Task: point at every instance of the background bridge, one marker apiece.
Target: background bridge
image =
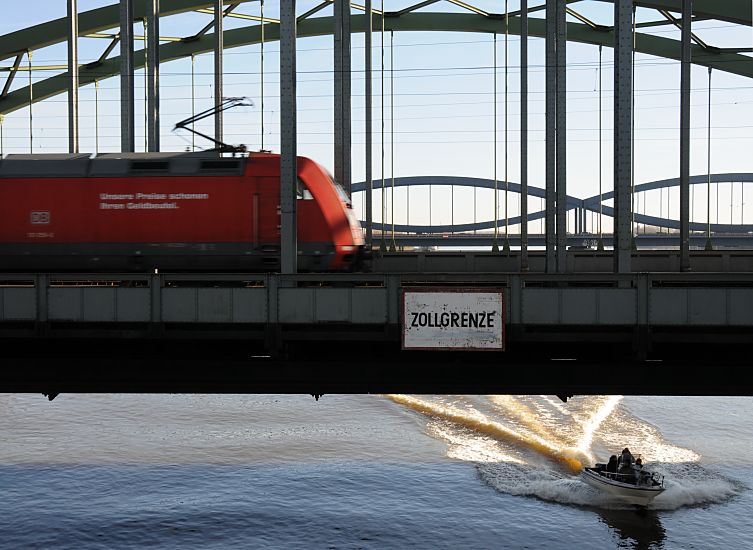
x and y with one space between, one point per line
579 207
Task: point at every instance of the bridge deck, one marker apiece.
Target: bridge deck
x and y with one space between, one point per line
319 333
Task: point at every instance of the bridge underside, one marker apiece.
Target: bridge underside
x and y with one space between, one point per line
698 362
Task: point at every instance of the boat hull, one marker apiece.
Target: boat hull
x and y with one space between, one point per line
632 494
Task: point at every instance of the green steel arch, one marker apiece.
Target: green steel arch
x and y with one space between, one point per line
89 22
733 11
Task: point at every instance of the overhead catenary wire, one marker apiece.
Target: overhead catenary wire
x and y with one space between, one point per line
646 93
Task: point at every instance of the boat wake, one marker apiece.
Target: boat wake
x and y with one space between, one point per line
533 446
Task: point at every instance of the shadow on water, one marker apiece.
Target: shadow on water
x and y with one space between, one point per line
639 529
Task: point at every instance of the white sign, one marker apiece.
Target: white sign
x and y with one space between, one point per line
453 319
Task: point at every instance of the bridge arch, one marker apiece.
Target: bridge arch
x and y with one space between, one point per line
402 21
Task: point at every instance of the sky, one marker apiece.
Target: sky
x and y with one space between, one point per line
439 120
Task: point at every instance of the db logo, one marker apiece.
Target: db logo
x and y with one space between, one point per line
40 218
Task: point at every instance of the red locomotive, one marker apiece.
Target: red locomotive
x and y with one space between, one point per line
167 211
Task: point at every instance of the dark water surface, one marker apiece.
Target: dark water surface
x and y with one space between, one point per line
94 471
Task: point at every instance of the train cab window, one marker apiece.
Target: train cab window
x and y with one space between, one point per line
339 188
302 193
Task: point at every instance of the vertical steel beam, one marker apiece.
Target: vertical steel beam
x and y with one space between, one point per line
288 139
709 244
261 72
623 144
524 135
687 12
219 45
550 133
193 98
369 125
342 67
127 113
347 177
73 77
561 135
146 92
31 103
152 75
337 60
96 116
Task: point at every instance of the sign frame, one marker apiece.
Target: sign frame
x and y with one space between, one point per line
440 289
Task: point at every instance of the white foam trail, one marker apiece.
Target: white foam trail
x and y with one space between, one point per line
524 415
687 485
507 456
480 423
556 405
690 484
647 440
470 448
594 422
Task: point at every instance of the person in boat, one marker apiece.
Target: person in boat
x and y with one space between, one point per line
612 464
625 467
625 461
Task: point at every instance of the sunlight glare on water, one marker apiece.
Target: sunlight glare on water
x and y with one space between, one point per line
594 422
480 423
521 443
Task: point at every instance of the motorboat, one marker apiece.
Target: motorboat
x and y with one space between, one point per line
631 482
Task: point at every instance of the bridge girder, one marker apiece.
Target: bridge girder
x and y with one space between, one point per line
104 18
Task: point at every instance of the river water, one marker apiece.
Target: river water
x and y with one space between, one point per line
186 471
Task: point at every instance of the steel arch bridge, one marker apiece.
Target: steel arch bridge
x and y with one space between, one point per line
594 203
94 23
425 15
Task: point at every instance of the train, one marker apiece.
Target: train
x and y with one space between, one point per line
201 211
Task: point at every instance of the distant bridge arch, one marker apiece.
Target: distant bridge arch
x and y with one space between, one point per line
589 203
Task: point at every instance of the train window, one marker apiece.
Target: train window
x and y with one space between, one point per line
340 191
302 193
149 165
220 165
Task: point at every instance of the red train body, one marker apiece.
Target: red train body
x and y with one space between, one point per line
167 211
